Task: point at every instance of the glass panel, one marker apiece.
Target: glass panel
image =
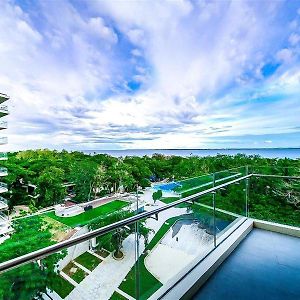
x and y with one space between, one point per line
168 246
275 199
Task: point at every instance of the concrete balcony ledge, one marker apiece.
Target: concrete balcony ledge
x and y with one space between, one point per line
276 227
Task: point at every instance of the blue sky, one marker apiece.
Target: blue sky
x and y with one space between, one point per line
151 74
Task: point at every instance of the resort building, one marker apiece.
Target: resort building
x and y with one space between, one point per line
5 228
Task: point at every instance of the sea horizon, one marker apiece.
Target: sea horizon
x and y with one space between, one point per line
275 152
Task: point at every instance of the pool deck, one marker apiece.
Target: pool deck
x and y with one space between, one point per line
266 265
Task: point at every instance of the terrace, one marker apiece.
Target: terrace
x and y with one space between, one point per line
214 239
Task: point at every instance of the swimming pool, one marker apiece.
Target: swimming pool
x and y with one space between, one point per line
170 186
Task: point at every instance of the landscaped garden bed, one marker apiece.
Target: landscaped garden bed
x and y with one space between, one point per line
61 286
88 260
74 272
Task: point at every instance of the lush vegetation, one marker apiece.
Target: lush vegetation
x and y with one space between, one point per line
100 174
31 280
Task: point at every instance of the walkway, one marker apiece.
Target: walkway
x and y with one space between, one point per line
266 265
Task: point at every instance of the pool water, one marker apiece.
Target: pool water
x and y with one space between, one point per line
167 186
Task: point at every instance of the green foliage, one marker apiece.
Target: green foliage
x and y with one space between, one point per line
50 186
31 280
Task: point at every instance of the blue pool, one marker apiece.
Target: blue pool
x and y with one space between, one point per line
167 186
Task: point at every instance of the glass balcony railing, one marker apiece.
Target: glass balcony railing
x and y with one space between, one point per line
135 249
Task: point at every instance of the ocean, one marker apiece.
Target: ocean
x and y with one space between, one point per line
293 153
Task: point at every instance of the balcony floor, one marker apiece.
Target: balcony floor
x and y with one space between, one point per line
266 265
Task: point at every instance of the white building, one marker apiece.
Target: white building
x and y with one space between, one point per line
5 227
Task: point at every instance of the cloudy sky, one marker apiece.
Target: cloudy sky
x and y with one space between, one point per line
151 74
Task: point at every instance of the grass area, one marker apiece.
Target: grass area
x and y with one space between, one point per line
88 260
61 286
102 252
168 200
117 296
74 272
148 283
88 216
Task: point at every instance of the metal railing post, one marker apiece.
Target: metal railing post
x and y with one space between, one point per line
247 192
137 273
214 211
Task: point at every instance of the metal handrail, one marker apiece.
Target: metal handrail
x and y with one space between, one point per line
277 176
41 253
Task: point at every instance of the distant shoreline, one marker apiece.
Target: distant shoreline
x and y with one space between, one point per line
192 149
292 153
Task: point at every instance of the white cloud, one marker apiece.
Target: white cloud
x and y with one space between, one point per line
294 39
68 77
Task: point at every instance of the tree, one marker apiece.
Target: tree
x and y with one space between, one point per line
113 241
83 174
31 280
50 187
157 195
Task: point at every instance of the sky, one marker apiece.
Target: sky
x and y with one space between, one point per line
151 74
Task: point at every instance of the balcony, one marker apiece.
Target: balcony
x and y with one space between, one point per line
3 125
3 204
3 140
3 98
3 156
3 172
3 187
4 224
214 240
3 110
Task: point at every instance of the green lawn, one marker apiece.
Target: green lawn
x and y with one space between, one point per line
61 286
168 200
88 260
78 275
88 216
148 283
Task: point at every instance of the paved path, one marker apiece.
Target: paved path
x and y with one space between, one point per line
106 278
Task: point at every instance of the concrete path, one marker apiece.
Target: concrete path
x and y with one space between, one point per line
106 278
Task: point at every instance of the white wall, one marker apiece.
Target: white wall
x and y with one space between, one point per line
76 250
